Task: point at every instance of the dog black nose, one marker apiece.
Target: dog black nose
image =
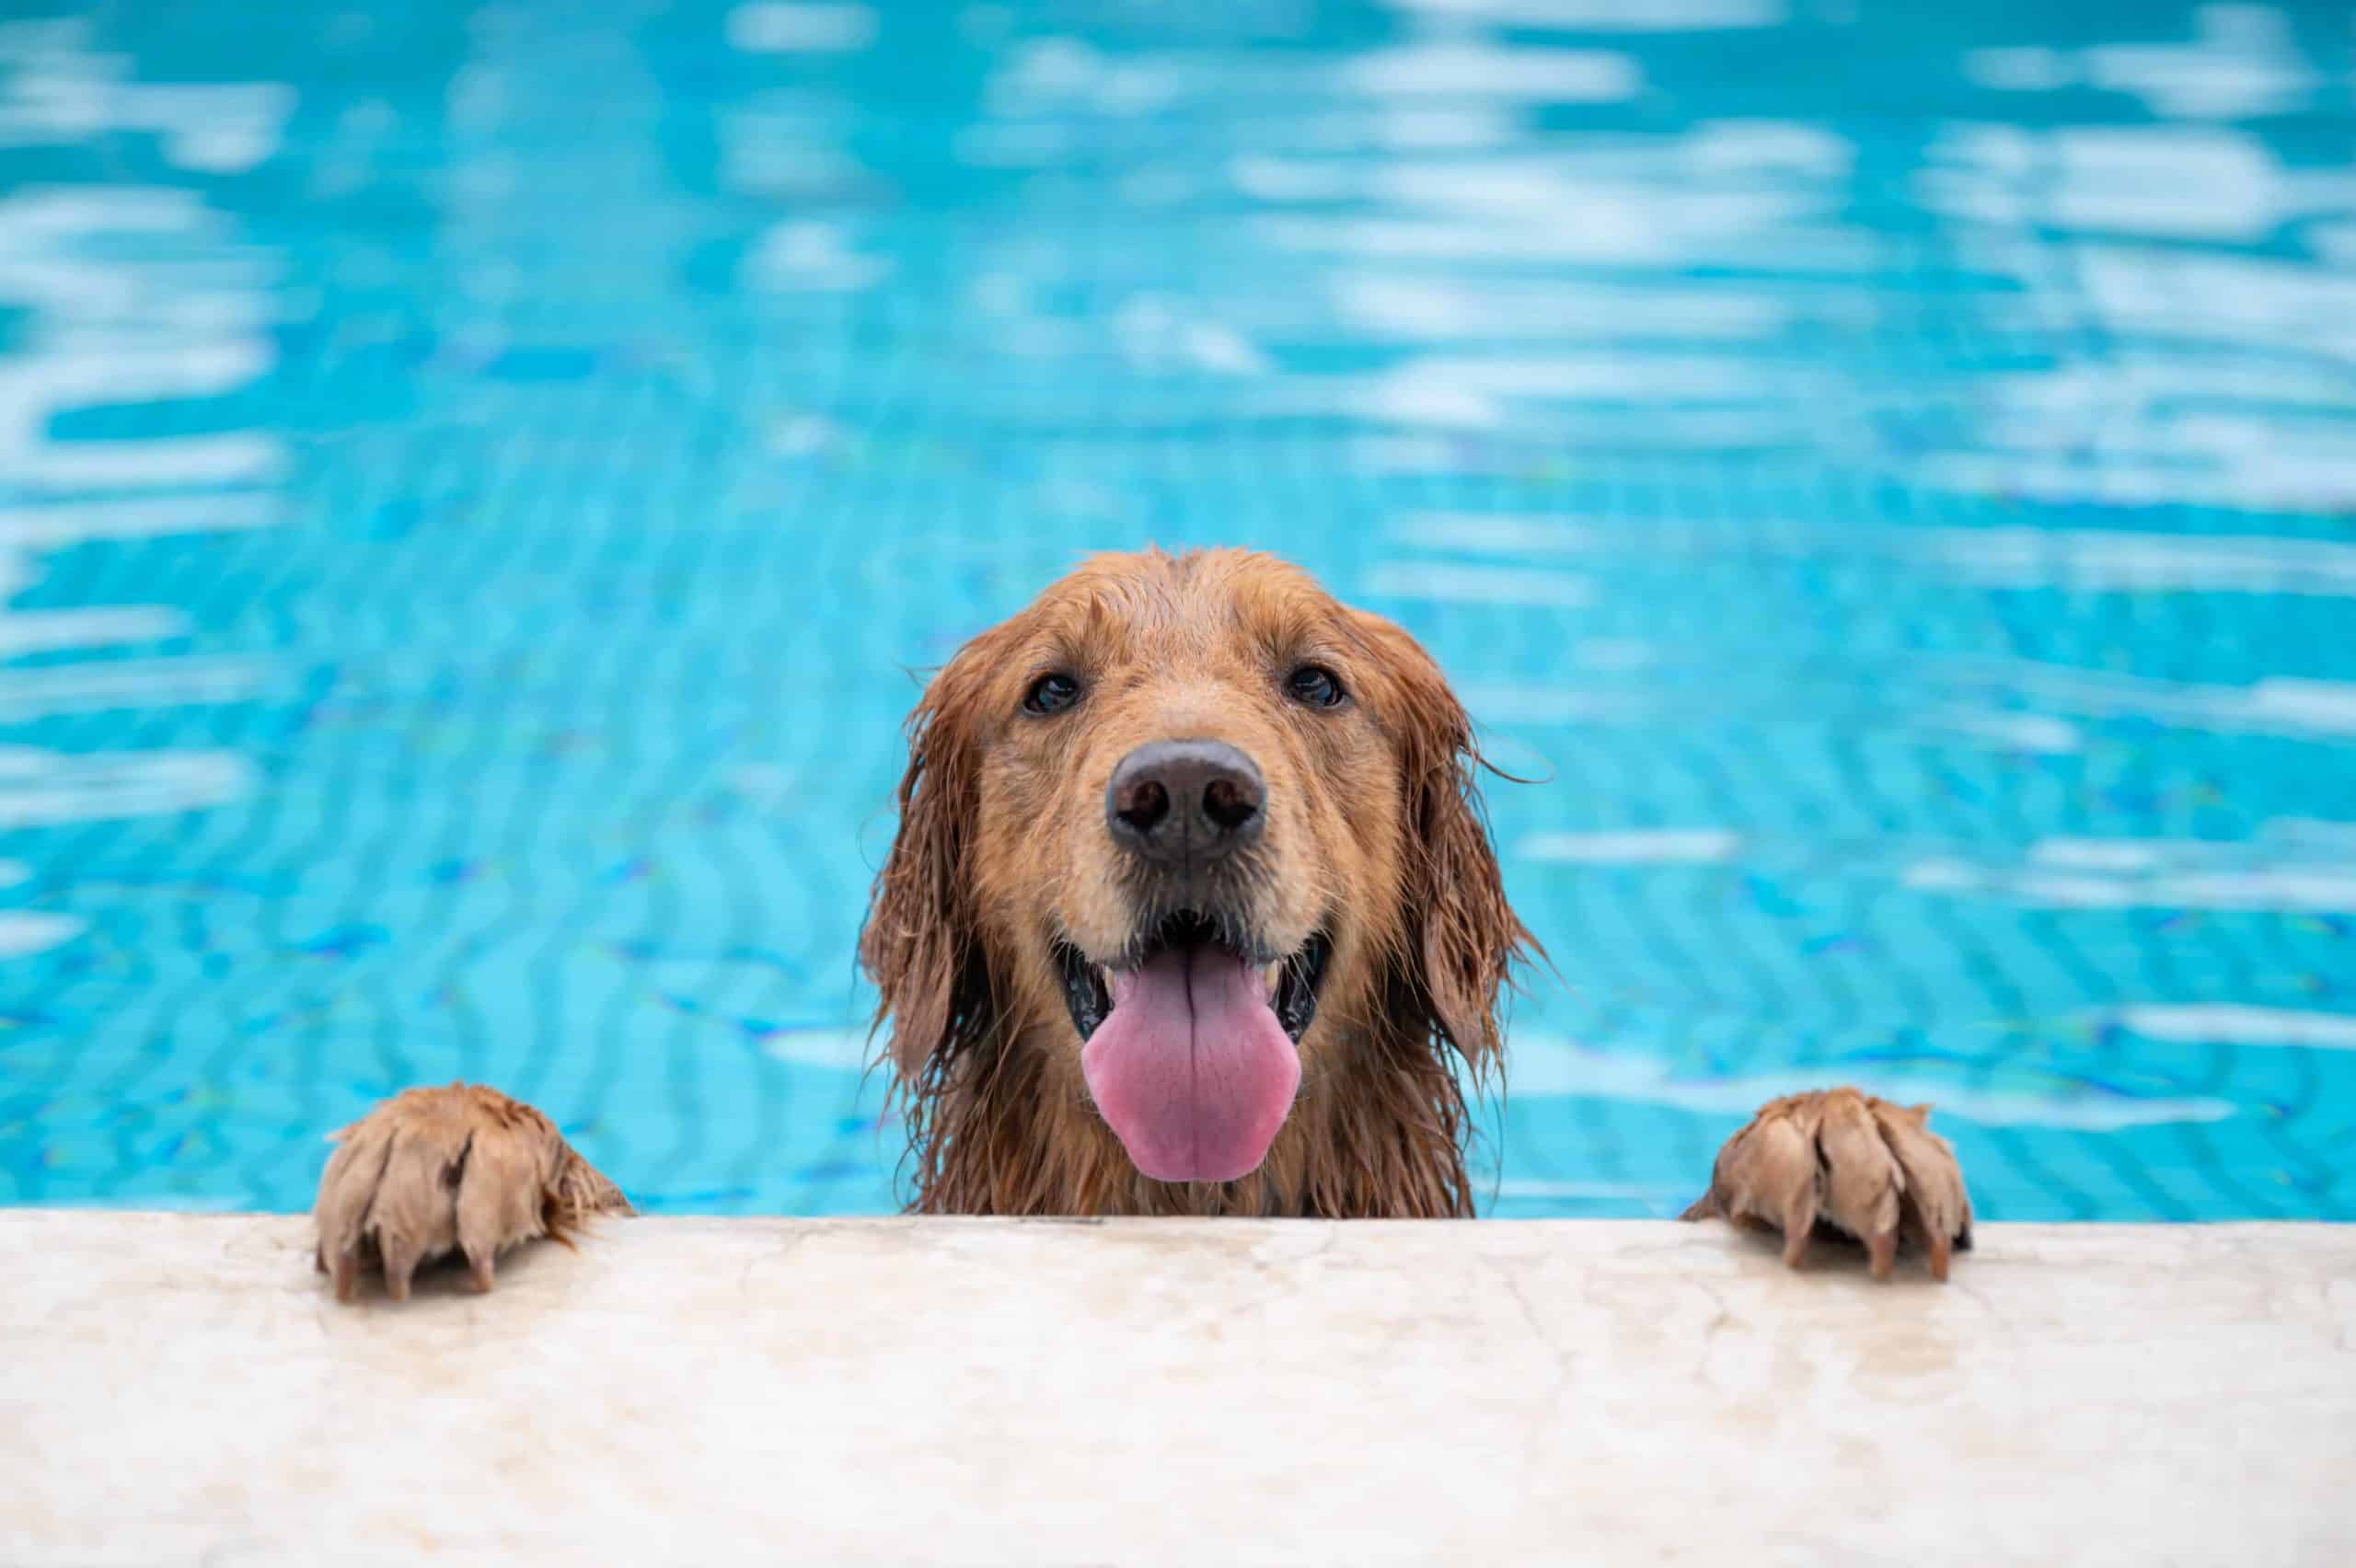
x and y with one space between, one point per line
1182 803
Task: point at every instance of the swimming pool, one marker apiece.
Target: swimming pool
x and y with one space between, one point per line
473 483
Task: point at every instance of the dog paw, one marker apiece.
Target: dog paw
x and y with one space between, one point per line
1845 1160
439 1170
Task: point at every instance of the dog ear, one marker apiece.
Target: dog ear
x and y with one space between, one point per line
922 944
1470 937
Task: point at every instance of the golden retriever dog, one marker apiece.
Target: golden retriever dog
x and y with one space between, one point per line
1192 910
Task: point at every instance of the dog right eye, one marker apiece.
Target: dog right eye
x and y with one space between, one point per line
1051 693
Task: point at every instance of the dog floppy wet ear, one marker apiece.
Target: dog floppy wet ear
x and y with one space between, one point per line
1470 937
922 944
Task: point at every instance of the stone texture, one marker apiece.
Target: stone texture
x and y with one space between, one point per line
182 1388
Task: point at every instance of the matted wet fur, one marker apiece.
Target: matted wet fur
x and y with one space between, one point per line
1378 829
1347 868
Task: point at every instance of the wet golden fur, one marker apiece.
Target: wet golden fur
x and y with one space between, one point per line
1375 833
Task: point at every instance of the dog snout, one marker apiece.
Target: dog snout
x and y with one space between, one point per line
1185 802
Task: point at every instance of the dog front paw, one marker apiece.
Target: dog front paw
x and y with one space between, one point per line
1837 1158
461 1169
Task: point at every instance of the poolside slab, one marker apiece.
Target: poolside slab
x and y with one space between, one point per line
182 1388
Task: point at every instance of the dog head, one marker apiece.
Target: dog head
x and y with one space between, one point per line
1192 828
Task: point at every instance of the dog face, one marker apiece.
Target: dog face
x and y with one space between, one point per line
1193 829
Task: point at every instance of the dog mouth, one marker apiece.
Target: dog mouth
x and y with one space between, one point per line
1292 980
1190 1044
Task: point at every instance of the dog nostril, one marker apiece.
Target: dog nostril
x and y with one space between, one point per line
1228 803
1179 801
1147 804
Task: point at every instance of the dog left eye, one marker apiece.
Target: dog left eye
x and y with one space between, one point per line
1314 685
1051 693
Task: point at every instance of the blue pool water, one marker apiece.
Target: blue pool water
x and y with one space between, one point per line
475 481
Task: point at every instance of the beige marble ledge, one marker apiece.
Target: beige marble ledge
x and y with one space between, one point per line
181 1389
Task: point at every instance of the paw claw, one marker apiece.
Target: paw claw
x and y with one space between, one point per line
400 1263
1881 1248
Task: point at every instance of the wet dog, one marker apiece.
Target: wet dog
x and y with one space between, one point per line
1192 910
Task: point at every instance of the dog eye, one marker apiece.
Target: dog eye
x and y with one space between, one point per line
1051 693
1314 685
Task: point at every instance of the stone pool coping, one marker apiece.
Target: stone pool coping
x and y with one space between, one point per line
181 1388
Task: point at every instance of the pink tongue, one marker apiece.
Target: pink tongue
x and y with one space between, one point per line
1192 1069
